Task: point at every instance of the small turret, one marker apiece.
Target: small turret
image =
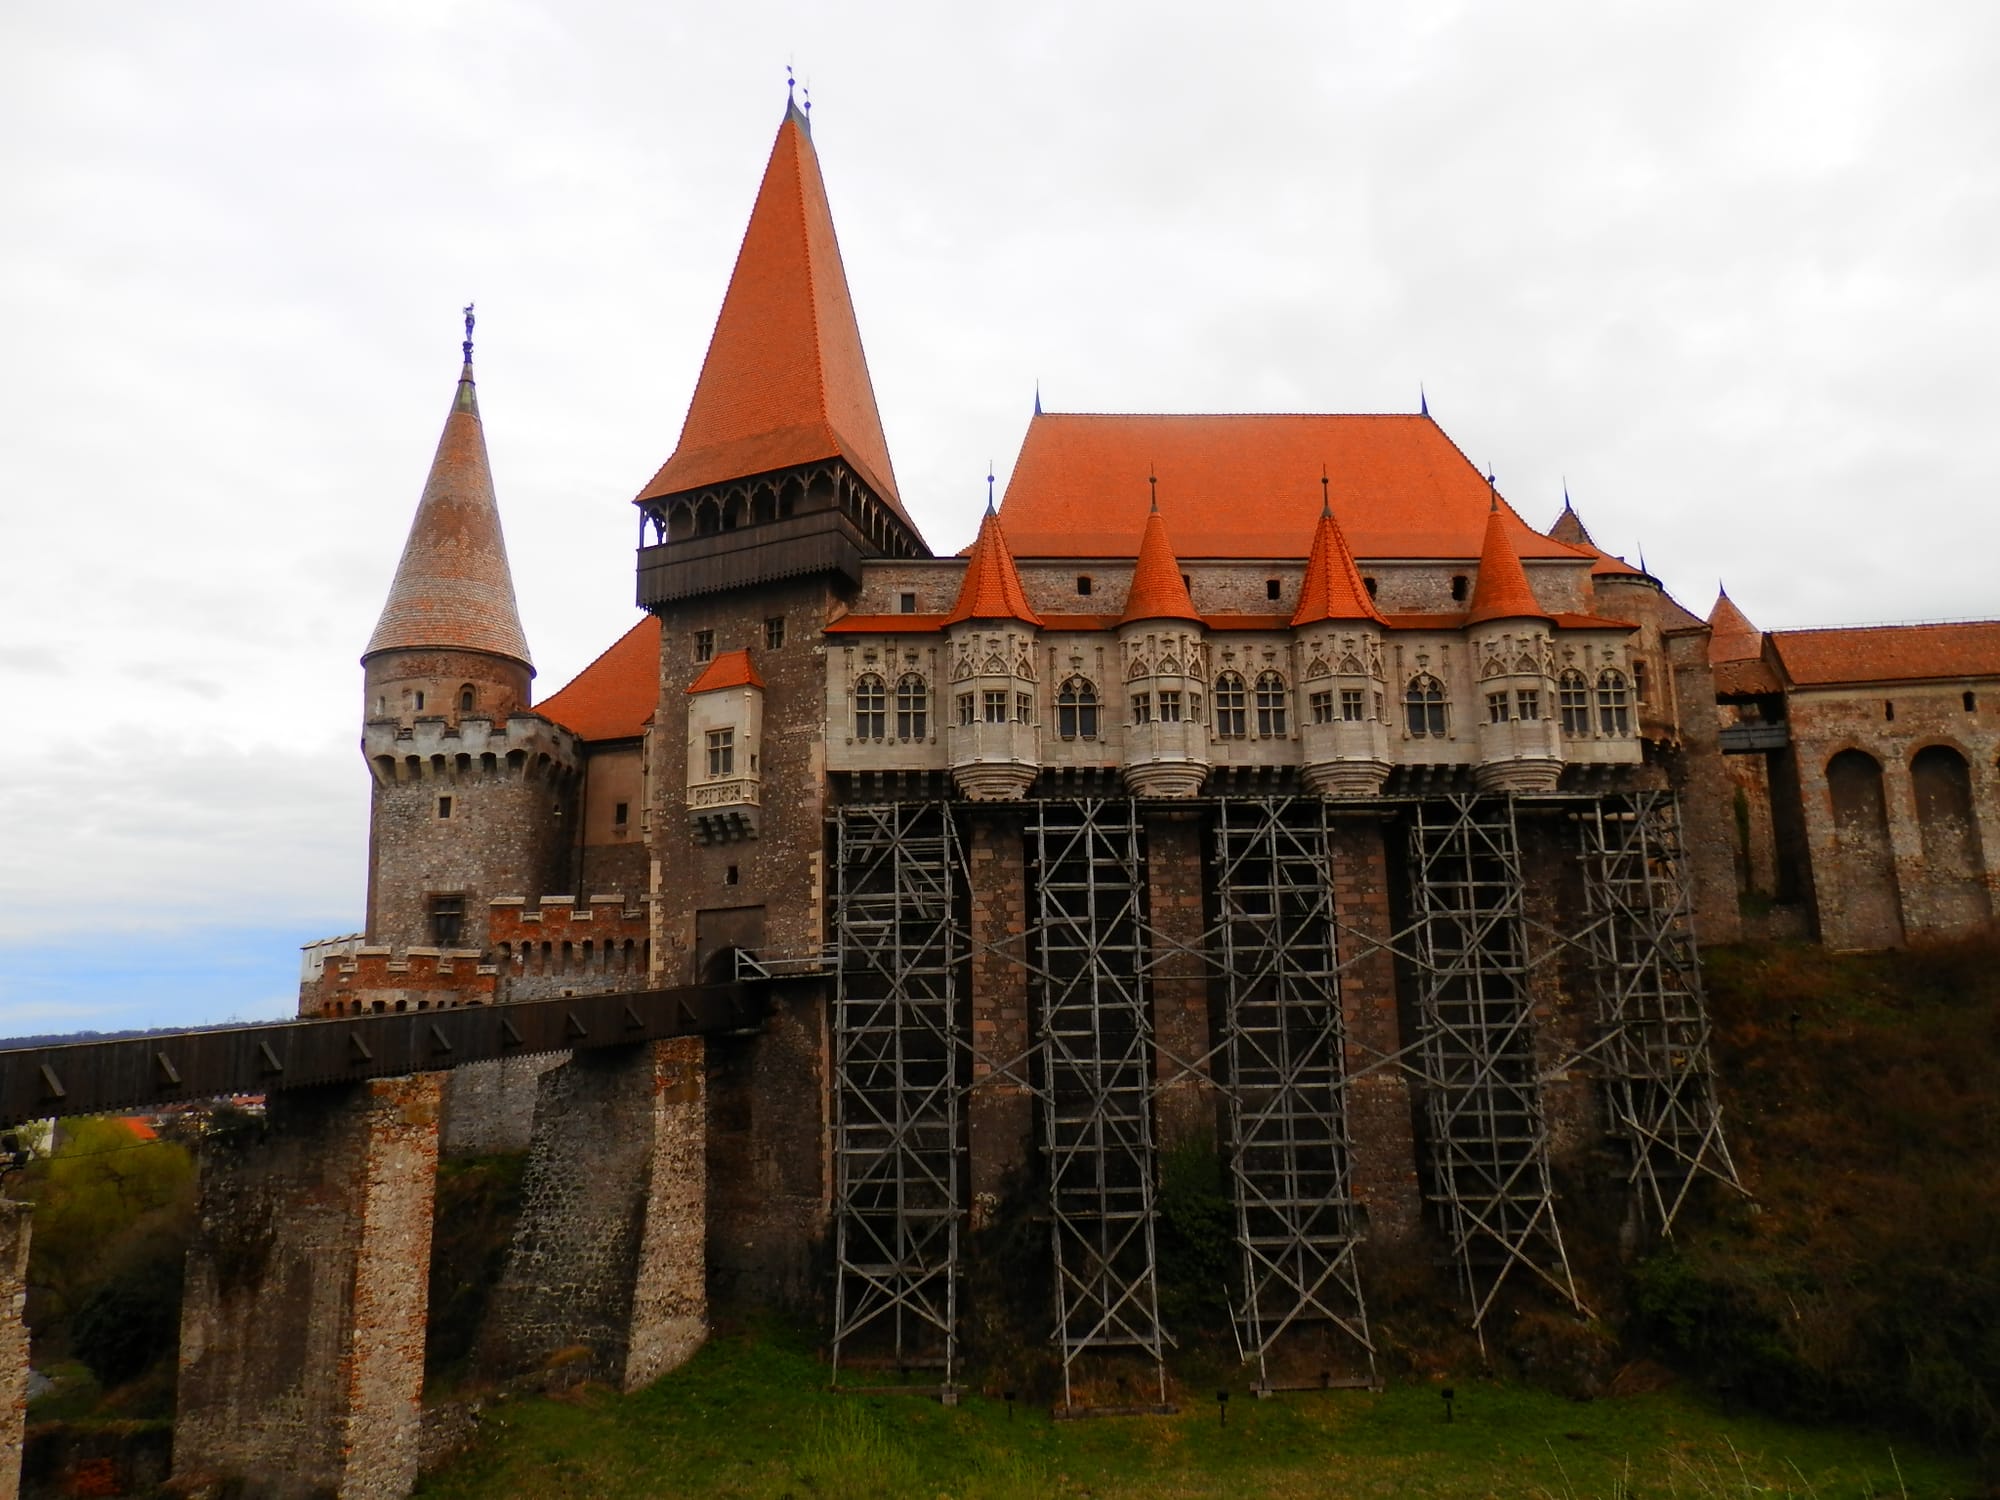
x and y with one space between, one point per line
1163 649
991 737
1340 631
1513 657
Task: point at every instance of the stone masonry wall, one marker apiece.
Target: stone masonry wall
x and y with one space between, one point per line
1383 1166
607 1253
14 1228
769 1111
1707 803
1185 1104
1000 1108
302 1326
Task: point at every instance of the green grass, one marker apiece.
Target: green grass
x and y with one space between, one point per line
750 1417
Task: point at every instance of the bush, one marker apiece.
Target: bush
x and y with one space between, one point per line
131 1320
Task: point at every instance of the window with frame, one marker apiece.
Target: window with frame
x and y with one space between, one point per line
871 707
1142 708
1614 713
467 699
1076 709
1353 705
721 753
1271 697
1024 708
1639 694
1423 707
1573 702
968 709
913 707
447 920
906 604
1170 707
1527 704
704 645
774 632
1231 720
993 705
1496 708
1320 706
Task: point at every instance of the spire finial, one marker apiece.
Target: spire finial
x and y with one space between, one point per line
1038 395
791 85
1492 492
1325 493
1566 505
1423 401
1154 480
989 486
467 345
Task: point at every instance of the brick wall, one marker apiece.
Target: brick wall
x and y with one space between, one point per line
1000 1108
1184 1106
302 1325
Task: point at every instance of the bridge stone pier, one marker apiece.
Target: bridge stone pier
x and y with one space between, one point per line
608 1254
302 1329
14 1223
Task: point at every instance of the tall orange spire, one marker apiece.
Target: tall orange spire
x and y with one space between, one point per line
1333 589
1731 635
1501 592
991 588
1158 591
785 381
453 588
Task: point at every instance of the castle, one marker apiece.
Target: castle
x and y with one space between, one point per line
1255 784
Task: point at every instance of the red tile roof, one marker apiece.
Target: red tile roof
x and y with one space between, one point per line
785 381
1244 486
1889 653
991 588
1333 589
1158 591
1753 677
614 697
1501 591
453 588
1731 635
728 670
1569 528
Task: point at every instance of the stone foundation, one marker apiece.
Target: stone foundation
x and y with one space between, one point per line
302 1327
608 1254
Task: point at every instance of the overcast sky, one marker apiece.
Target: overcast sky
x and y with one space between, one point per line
1730 268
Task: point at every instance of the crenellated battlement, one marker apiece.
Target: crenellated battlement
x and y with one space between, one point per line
520 746
344 977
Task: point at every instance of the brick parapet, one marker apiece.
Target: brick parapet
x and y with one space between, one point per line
302 1324
15 1223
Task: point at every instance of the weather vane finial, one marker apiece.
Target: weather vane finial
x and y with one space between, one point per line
467 345
989 486
1325 492
791 83
1154 480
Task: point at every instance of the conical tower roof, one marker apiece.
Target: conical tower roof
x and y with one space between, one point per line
1333 589
991 588
453 588
785 381
1158 591
1731 635
1502 591
1569 527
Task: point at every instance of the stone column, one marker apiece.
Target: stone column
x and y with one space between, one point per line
302 1327
1186 1102
1384 1164
609 1252
1000 1109
14 1222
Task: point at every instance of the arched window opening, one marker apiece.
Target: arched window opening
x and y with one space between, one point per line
1270 706
1076 709
1573 698
468 699
871 708
913 707
1231 720
1423 707
1614 713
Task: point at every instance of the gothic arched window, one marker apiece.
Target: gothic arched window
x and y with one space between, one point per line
1270 706
1573 698
468 698
1613 716
1230 718
1076 709
913 707
1423 707
871 708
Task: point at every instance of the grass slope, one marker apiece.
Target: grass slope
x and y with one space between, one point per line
749 1417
